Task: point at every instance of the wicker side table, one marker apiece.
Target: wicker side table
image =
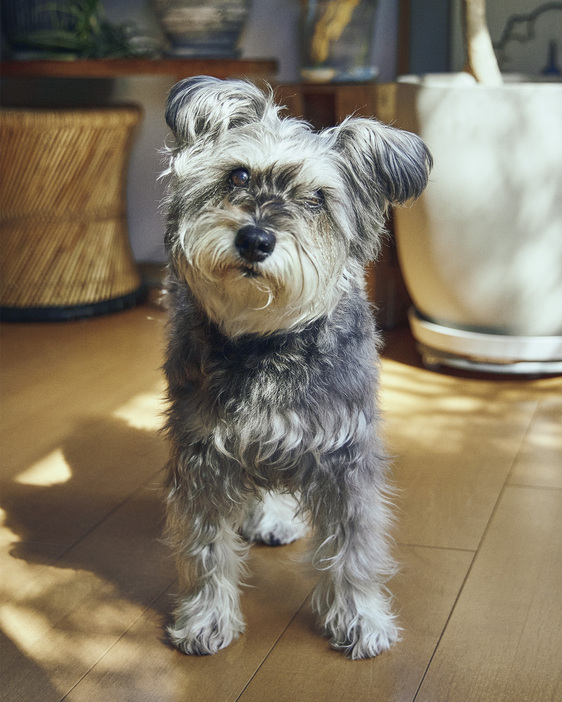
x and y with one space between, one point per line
64 246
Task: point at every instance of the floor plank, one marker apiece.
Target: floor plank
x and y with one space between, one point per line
304 667
454 442
87 584
504 639
141 667
53 376
80 414
66 614
538 462
106 460
70 452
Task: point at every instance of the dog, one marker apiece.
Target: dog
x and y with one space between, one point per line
271 364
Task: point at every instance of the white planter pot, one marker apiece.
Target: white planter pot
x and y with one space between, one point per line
481 250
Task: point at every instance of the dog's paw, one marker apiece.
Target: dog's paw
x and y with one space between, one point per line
204 642
277 534
364 633
366 639
203 633
272 521
360 626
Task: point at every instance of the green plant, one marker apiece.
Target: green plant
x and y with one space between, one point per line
80 29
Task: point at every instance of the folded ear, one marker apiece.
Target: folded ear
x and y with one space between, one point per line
207 107
383 161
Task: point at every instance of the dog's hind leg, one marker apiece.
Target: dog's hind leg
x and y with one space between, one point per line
210 561
274 519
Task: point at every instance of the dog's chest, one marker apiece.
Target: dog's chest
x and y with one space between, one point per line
268 411
264 375
273 400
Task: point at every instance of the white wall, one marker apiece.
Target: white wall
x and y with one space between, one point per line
527 57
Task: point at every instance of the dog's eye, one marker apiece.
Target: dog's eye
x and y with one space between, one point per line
315 201
239 178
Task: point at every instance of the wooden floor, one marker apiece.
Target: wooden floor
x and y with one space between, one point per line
86 584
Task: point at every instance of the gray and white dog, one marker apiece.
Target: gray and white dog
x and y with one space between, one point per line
272 356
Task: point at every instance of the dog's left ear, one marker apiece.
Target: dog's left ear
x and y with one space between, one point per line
383 161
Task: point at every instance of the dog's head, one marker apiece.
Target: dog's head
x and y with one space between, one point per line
269 222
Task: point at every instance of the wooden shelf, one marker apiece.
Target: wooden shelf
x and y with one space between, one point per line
116 68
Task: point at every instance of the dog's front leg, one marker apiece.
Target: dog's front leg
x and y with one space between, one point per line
202 529
351 551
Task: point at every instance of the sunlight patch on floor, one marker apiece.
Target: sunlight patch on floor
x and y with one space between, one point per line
51 470
144 411
60 617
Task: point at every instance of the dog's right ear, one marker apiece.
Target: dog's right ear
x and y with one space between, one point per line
205 107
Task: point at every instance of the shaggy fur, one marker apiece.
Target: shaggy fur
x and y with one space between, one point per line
272 356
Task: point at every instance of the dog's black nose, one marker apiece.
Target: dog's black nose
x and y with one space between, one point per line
254 244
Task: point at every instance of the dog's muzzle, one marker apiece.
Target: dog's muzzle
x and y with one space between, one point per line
254 244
